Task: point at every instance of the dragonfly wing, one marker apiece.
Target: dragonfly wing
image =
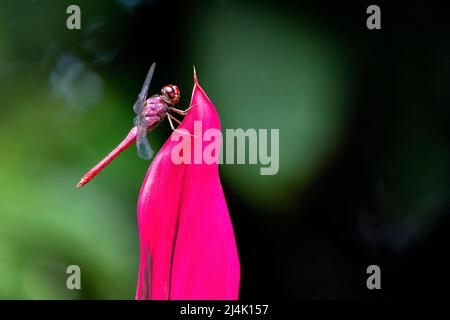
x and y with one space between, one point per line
139 104
144 150
137 121
147 81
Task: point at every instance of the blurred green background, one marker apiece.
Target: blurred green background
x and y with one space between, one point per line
364 151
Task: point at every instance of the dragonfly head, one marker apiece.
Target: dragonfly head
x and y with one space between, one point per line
171 92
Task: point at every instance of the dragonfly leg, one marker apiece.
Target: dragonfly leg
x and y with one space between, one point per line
170 117
174 119
182 112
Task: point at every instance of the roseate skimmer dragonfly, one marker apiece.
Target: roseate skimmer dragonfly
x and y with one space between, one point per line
150 112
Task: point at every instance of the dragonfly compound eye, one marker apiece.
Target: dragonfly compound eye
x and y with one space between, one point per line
172 92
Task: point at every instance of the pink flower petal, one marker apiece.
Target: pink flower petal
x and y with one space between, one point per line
187 244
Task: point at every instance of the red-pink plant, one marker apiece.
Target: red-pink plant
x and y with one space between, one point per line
187 244
188 250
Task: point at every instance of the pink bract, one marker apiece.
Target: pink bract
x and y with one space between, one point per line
187 245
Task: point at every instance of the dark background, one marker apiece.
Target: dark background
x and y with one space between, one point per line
364 149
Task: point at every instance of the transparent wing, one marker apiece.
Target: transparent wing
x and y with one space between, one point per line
148 79
139 104
144 150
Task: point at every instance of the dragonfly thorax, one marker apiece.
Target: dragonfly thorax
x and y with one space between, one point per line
155 106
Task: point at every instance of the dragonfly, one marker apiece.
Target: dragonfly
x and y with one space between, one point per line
149 113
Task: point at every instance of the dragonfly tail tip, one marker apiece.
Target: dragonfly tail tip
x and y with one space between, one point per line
81 183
